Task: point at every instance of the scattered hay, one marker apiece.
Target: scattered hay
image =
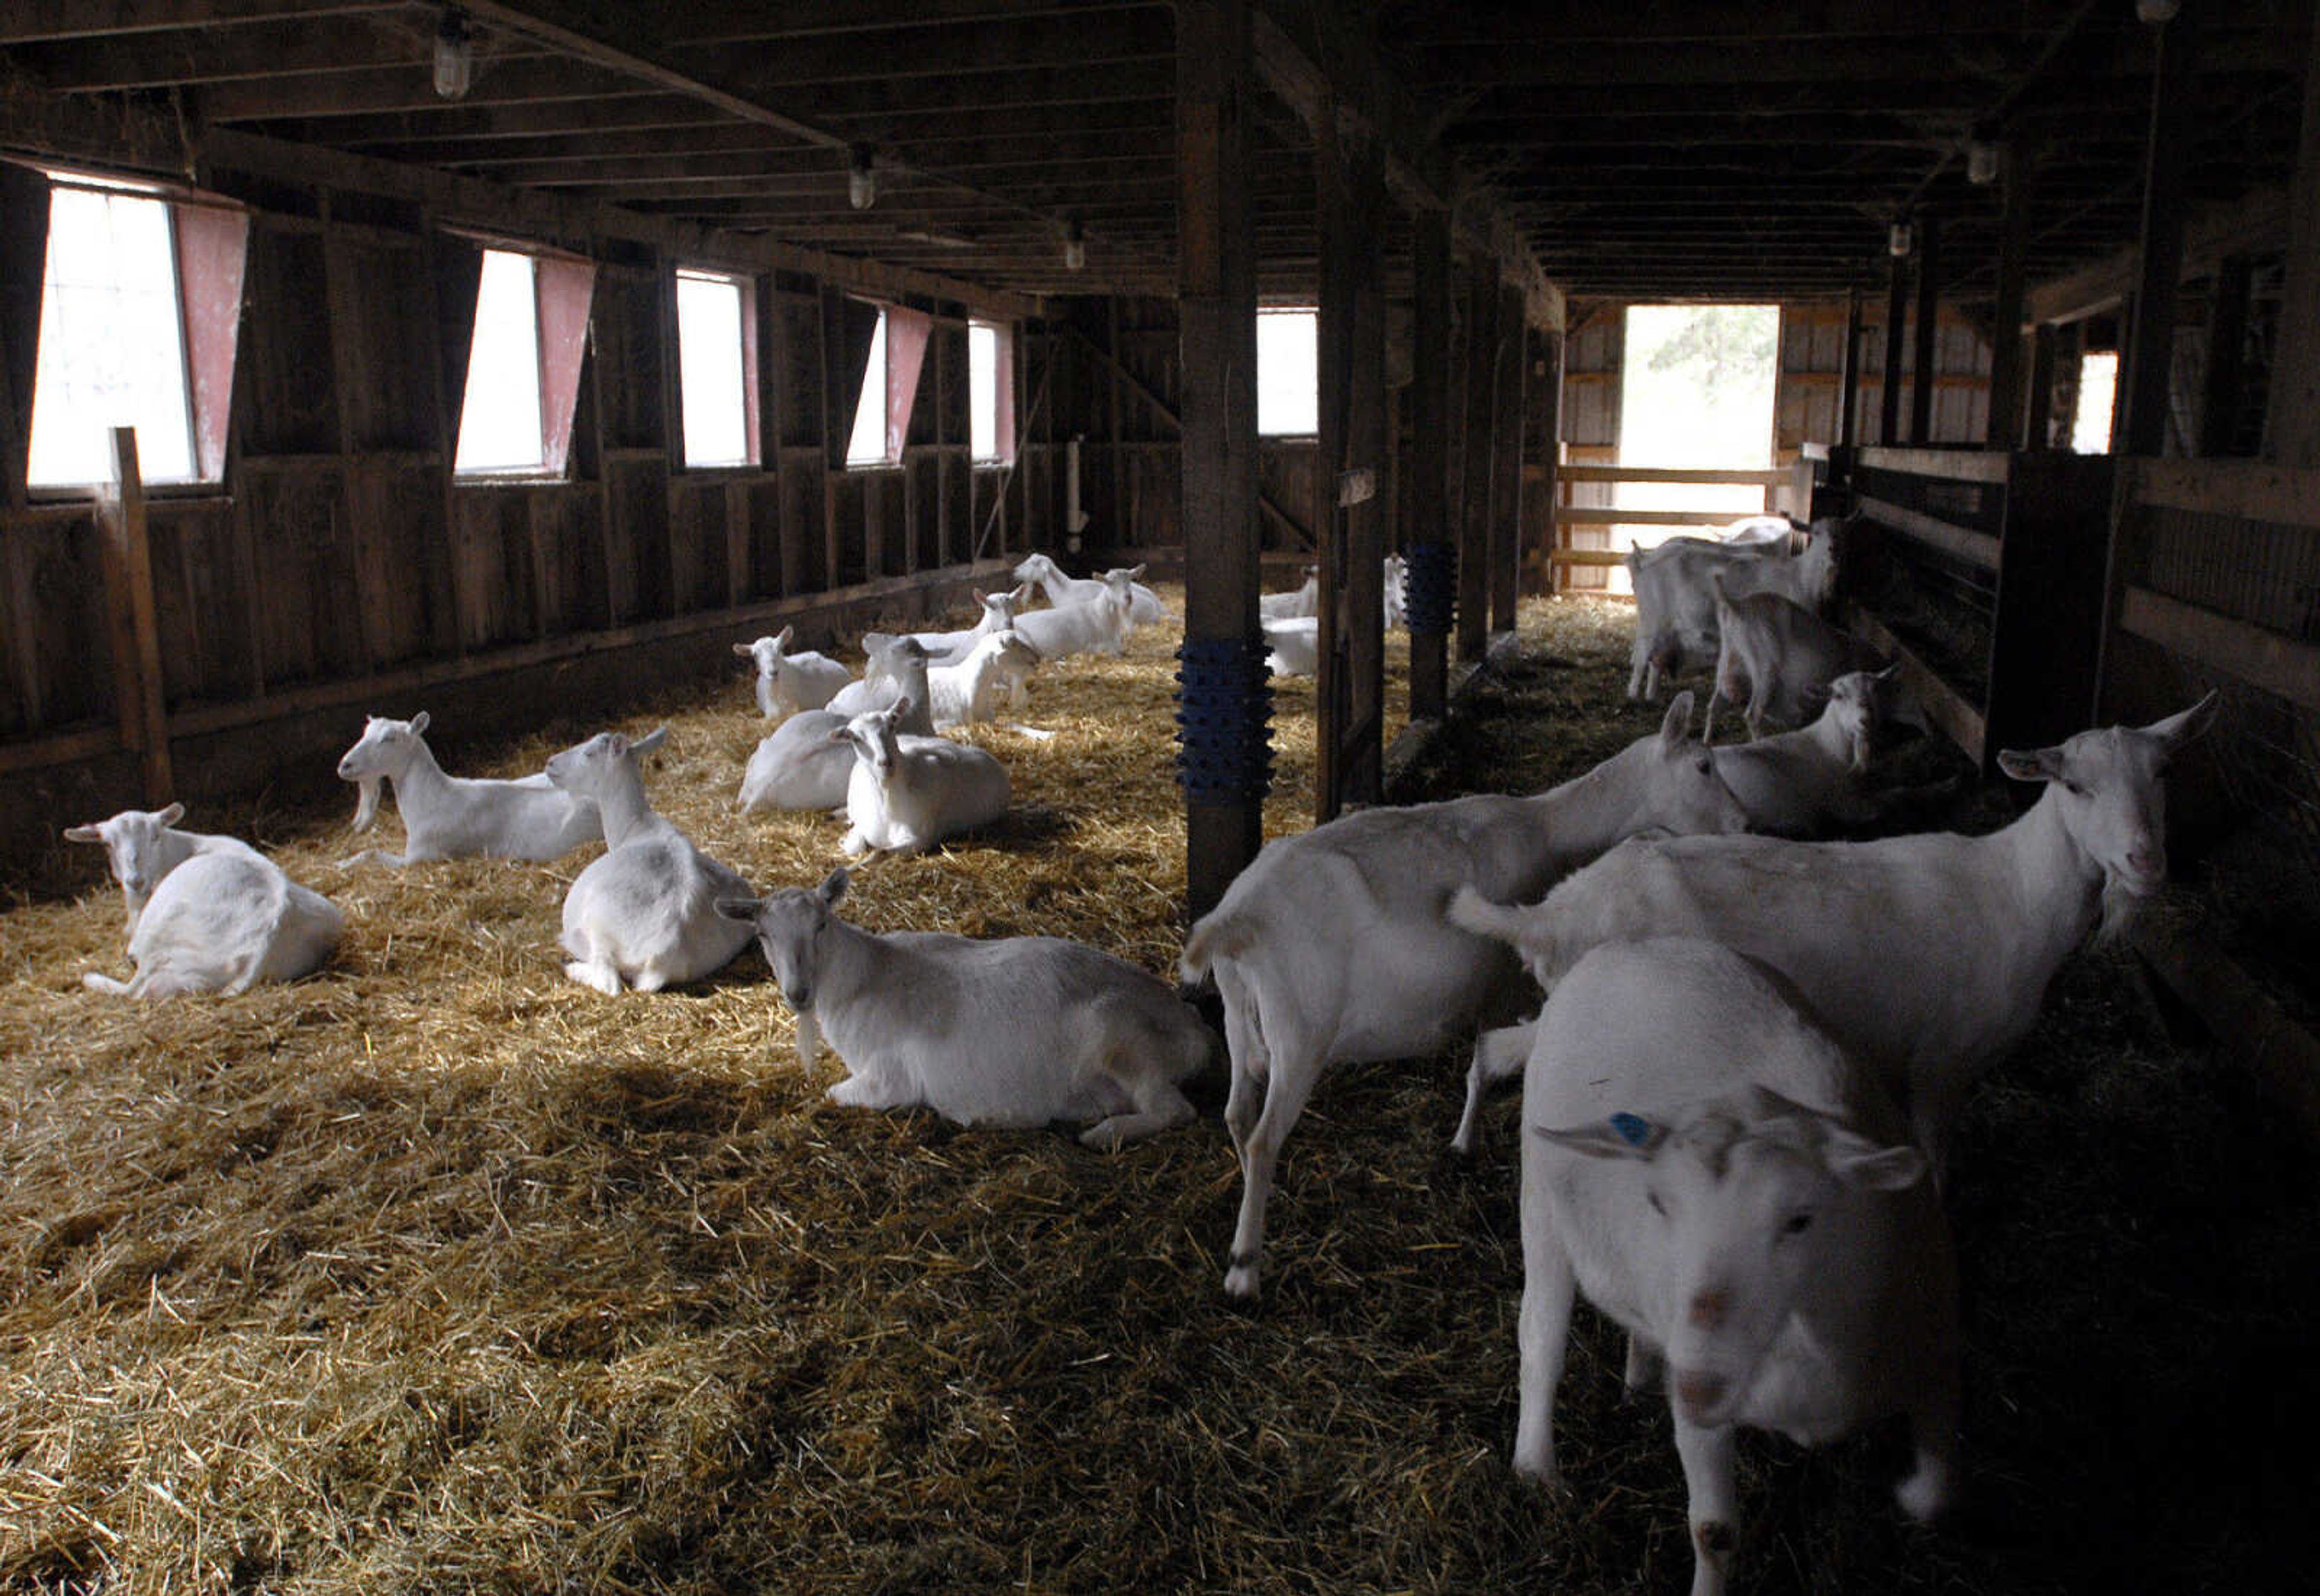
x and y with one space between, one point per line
437 1271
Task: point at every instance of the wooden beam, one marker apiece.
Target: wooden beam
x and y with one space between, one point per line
2292 421
2146 366
1543 426
2004 430
1928 330
1742 476
28 22
286 47
1479 436
1897 315
1425 489
1848 387
2222 391
2251 654
1510 363
1216 307
138 685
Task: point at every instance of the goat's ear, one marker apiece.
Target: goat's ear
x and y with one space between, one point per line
649 741
1622 1135
833 885
741 909
2031 765
782 638
2177 729
1891 673
874 643
82 834
171 815
418 722
1869 1166
1676 728
745 650
1136 573
1023 592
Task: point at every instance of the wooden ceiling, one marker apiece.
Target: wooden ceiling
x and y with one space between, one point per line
1651 149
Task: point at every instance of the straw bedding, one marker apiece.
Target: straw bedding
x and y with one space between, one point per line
436 1272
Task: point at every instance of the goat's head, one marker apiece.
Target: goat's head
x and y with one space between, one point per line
589 768
1684 792
384 748
2108 787
133 847
791 926
1734 1198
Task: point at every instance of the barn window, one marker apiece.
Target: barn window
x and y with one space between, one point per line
991 391
2098 390
1288 373
141 295
890 385
523 364
716 365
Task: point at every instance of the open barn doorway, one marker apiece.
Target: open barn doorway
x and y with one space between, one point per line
1696 393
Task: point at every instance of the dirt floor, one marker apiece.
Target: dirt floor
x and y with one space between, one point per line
437 1273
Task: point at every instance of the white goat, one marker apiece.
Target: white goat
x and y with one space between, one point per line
907 794
205 913
1926 957
645 914
1721 1181
897 669
805 762
1796 784
1331 946
788 683
1099 626
1012 1032
450 817
1305 600
967 693
1779 653
1397 598
949 648
1675 608
1143 606
1293 647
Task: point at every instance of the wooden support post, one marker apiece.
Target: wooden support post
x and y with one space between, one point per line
2292 416
2044 343
1542 448
137 688
2146 366
1480 434
2223 394
1848 385
1897 316
2004 426
1510 363
1927 346
1426 495
1216 270
1350 470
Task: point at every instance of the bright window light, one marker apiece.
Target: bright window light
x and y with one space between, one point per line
1288 373
2098 391
982 390
868 446
113 348
710 369
499 424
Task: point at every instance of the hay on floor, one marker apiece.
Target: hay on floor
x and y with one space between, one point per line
435 1271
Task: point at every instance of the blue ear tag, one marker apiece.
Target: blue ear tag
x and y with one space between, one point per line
1633 1128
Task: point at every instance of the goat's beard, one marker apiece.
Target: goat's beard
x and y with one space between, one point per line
2120 905
809 1040
367 805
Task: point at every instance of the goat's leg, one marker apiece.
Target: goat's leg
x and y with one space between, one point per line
1293 1076
1542 1336
1713 1512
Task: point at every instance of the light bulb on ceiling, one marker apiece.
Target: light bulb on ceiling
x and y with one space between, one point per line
1075 247
1981 162
861 178
1898 241
2156 11
455 56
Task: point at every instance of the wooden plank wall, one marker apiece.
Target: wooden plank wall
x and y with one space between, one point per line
340 554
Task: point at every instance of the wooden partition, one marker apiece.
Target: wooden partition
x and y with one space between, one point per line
1983 573
2215 585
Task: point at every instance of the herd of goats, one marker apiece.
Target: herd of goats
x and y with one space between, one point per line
1737 1100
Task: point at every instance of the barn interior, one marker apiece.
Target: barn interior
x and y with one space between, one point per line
988 275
